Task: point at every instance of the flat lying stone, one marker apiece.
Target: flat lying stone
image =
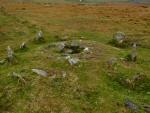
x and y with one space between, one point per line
72 61
130 105
2 62
146 108
40 72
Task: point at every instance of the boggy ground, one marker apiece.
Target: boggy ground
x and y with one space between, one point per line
89 87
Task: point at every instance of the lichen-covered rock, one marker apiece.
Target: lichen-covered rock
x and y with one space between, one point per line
40 72
119 37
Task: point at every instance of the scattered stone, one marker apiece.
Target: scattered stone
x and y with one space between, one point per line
86 50
61 38
112 62
2 62
39 37
23 46
72 61
64 74
119 37
10 55
133 55
40 72
130 105
75 46
134 52
18 76
72 47
61 47
146 108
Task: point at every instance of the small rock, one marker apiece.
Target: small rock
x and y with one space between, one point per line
40 36
61 46
72 61
10 54
112 61
133 55
119 37
134 52
40 72
23 45
64 74
2 62
146 108
86 50
129 104
18 76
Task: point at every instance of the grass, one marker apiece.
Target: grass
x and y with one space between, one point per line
90 86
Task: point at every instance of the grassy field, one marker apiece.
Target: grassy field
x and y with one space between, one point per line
90 86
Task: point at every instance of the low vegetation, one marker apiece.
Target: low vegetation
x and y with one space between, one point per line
100 82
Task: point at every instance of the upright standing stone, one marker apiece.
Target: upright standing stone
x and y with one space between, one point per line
40 72
10 54
23 45
61 47
134 52
40 36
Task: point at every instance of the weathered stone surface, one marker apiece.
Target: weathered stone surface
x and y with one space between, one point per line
119 37
23 45
112 61
39 37
146 108
72 61
40 72
10 54
134 52
132 56
61 47
72 47
2 62
18 76
75 46
86 50
132 106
